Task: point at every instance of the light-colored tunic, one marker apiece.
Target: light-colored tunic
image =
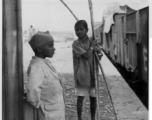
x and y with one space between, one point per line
83 69
45 90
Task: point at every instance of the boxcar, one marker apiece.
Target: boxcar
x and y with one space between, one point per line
126 45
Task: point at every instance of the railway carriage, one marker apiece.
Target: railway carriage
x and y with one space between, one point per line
126 45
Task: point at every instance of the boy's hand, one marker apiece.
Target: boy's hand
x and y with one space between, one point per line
100 55
38 104
94 43
97 49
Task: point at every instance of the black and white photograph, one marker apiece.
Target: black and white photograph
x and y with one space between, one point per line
75 59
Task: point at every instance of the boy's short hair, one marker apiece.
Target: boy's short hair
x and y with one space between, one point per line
39 39
81 22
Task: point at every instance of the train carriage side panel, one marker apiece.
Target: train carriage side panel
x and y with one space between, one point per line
119 38
105 42
121 43
143 45
118 24
116 38
97 32
124 41
108 38
101 35
131 36
113 43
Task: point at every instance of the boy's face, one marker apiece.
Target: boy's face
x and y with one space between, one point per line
80 31
48 49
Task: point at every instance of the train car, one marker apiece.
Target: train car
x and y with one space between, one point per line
126 45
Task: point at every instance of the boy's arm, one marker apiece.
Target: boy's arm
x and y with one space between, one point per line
35 80
93 48
78 49
82 52
88 54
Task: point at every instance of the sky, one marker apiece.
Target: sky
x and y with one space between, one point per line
52 15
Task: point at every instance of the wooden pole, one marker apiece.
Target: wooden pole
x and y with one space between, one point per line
12 62
96 71
69 9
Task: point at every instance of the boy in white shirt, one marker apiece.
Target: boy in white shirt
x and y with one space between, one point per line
44 88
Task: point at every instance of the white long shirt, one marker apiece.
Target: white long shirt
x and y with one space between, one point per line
44 89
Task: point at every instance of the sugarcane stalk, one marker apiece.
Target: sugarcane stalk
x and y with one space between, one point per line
96 71
96 77
69 9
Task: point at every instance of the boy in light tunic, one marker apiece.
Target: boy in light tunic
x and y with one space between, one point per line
44 88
